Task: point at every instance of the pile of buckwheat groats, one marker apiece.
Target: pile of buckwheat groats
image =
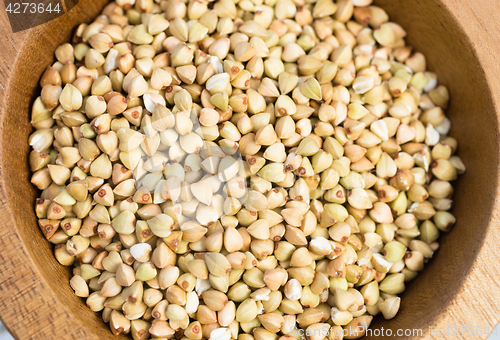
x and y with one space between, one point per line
253 169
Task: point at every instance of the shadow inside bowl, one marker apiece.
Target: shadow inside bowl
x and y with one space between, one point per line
433 30
68 314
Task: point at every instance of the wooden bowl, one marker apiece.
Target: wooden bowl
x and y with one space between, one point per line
459 287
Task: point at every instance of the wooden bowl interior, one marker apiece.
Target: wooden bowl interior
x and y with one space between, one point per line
431 29
434 31
36 54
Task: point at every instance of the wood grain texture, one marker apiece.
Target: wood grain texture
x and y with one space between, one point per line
461 40
36 301
459 287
